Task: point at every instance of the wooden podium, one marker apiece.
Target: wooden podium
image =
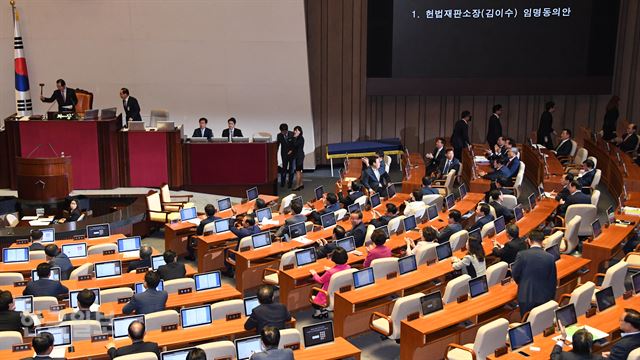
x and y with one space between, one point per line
44 179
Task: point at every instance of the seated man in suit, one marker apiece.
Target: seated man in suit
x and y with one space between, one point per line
499 150
392 212
576 196
483 214
358 229
496 202
436 156
65 97
501 171
356 192
629 141
296 210
86 298
42 345
268 313
45 286
589 171
130 105
231 130
145 259
449 163
136 334
151 300
331 204
248 228
453 227
270 337
36 240
57 258
511 248
202 131
367 161
10 320
565 146
325 247
564 193
375 180
172 269
582 346
630 327
210 211
426 187
513 162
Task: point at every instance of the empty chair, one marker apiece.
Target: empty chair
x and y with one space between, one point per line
614 277
488 228
596 178
541 317
581 297
84 269
12 220
456 288
389 326
221 309
83 329
367 236
387 163
155 212
112 295
338 280
270 276
41 303
158 319
488 338
433 200
552 239
571 240
415 208
383 267
37 255
445 187
496 273
509 201
459 240
175 202
588 214
426 253
219 350
172 286
7 279
394 224
340 213
101 248
288 337
595 198
9 338
138 356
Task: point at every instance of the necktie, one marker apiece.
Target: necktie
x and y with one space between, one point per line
446 167
64 96
202 132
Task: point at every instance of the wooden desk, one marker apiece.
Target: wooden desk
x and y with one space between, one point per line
613 175
604 247
535 169
413 176
476 184
339 349
112 239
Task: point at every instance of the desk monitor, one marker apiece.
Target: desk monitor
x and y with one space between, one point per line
219 140
15 255
611 215
478 286
318 334
188 214
120 325
432 212
328 220
605 298
252 193
73 297
196 139
261 240
363 278
98 231
297 230
374 199
297 200
129 244
319 191
499 225
566 315
409 223
250 303
443 251
431 303
54 275
91 114
348 244
224 204
61 334
353 208
532 201
391 191
139 287
450 200
157 261
48 235
305 256
518 212
635 280
180 354
109 113
136 126
597 228
23 303
554 250
195 316
248 346
463 191
520 336
407 264
384 228
476 234
240 139
108 269
165 125
262 214
221 225
207 281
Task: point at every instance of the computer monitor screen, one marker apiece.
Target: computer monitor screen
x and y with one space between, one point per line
54 275
75 250
409 223
328 220
248 346
319 191
463 190
261 240
597 229
224 204
499 225
431 303
566 315
140 287
297 200
520 336
221 225
540 190
391 191
363 277
188 214
635 280
15 255
207 281
120 326
306 256
157 261
605 298
317 334
23 303
73 297
432 212
478 286
180 354
297 230
129 244
48 235
353 208
451 201
61 334
554 250
250 303
348 243
385 229
108 268
198 315
532 201
443 251
407 264
252 193
98 231
262 214
374 200
518 212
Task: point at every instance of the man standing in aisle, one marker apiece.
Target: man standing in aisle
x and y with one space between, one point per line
284 141
460 137
130 105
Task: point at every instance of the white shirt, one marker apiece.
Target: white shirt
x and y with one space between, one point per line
126 101
562 142
496 115
438 152
630 334
376 172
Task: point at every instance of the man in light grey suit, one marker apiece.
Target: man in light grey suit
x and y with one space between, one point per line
296 209
270 337
151 300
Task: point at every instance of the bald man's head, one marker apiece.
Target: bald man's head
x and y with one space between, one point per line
145 252
136 331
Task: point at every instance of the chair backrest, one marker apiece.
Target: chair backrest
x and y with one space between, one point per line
156 320
245 242
7 279
288 258
165 194
455 288
571 234
384 266
542 316
112 295
633 259
221 309
595 161
496 273
9 338
387 163
509 201
81 217
595 197
596 178
362 200
588 213
517 184
394 224
401 308
286 202
338 280
581 297
100 248
574 147
83 329
289 337
459 240
635 354
12 220
367 236
209 227
552 239
219 349
172 286
433 199
138 356
415 208
581 156
44 302
153 201
84 269
490 337
448 183
426 253
340 213
159 115
85 101
487 228
615 277
37 255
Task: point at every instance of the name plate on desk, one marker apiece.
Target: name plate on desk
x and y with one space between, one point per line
141 270
233 316
590 312
185 291
57 307
20 347
108 252
627 295
124 300
78 237
392 275
549 331
222 358
431 262
505 281
500 351
98 338
207 233
413 316
345 288
288 267
245 248
22 241
169 327
20 283
462 298
294 346
84 277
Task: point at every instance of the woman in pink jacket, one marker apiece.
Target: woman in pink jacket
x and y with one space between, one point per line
339 257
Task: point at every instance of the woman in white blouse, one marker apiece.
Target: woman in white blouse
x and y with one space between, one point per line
474 262
429 235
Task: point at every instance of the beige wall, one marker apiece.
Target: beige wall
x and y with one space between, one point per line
212 58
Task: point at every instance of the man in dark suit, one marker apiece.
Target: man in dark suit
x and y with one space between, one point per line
511 248
145 259
630 327
501 171
499 150
460 137
284 141
535 273
564 193
44 286
202 131
171 269
210 211
42 345
267 313
57 258
10 320
453 227
130 105
576 197
449 163
485 217
426 187
565 146
86 298
375 180
392 212
270 337
356 192
513 162
331 204
36 238
436 157
231 131
494 129
296 210
582 343
65 97
496 202
358 229
630 140
586 178
151 300
545 129
136 334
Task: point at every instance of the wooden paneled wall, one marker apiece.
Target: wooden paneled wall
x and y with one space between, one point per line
337 38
